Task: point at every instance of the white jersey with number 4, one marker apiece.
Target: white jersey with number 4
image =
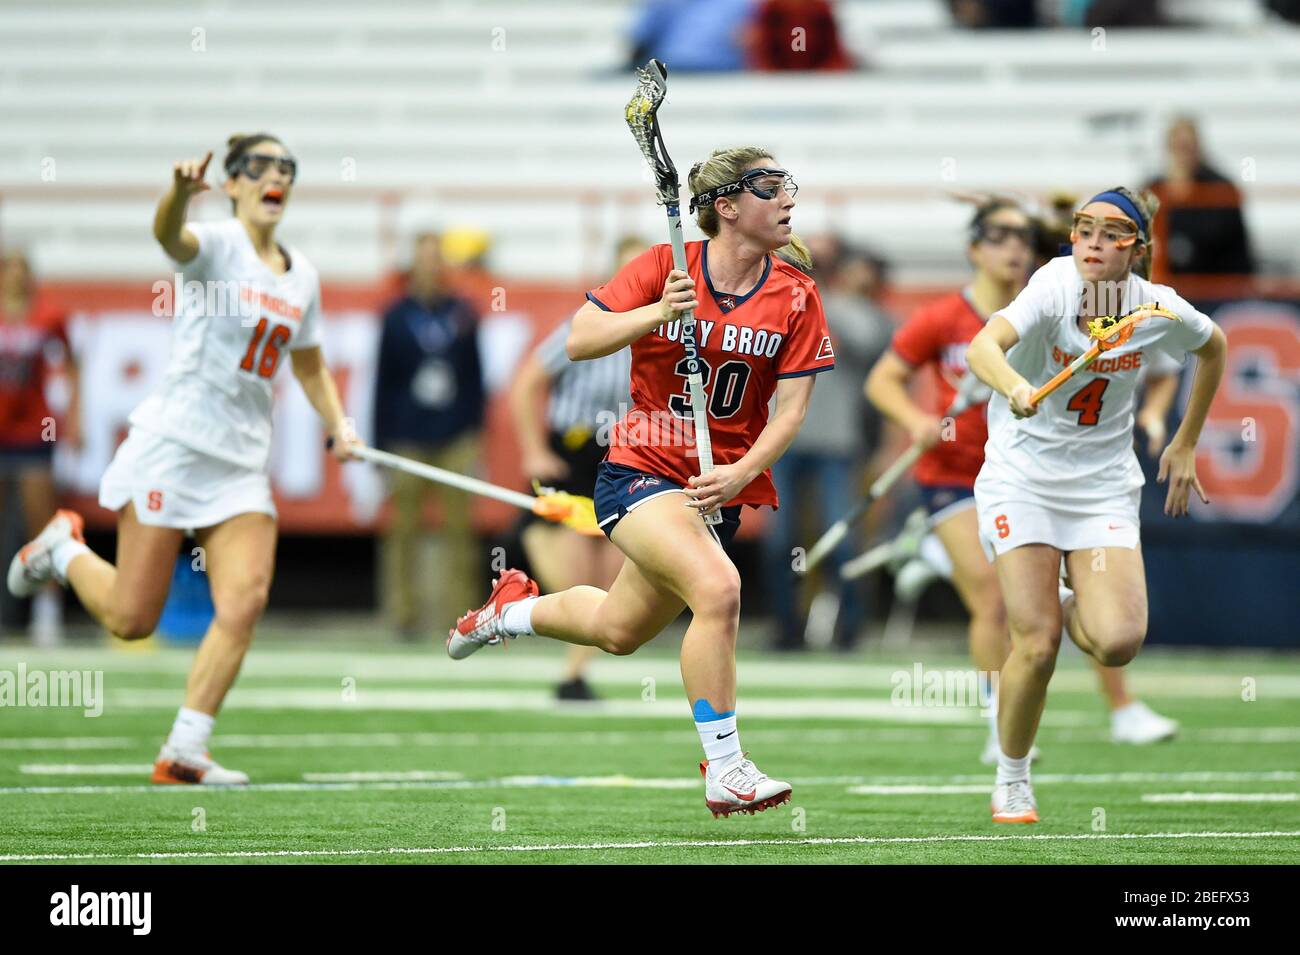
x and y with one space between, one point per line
1077 452
235 324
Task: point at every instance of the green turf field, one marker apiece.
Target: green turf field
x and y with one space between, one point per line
360 754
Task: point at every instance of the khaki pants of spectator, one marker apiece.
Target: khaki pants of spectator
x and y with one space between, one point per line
454 578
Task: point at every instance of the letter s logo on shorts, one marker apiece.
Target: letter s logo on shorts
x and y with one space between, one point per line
155 500
1004 529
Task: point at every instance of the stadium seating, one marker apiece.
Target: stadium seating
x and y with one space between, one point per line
407 116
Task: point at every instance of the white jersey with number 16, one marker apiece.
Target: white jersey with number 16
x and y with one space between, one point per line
234 327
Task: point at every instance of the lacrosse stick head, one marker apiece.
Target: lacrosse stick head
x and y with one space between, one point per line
572 510
1110 331
642 119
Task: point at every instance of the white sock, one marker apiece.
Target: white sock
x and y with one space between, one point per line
63 554
191 730
720 752
518 618
1012 770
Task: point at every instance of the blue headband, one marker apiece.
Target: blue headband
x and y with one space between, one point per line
1123 201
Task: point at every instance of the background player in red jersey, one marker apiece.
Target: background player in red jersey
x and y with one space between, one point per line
761 331
33 338
1001 237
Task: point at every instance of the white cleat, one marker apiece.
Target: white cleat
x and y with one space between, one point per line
1138 723
33 566
1014 802
741 787
176 767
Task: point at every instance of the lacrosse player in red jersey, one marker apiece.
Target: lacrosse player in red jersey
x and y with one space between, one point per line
760 331
1060 477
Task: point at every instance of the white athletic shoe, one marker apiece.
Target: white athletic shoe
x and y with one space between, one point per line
1014 802
993 749
1138 723
176 767
741 787
33 566
482 627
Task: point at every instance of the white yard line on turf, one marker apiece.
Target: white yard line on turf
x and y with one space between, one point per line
683 844
666 707
862 785
410 775
86 769
524 668
1220 797
865 734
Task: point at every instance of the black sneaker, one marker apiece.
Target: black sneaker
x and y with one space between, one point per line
575 689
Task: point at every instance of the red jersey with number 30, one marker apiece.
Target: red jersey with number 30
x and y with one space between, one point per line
746 342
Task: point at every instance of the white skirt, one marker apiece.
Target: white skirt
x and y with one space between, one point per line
172 485
1008 519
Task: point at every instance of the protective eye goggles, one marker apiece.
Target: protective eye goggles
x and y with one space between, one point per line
1115 230
763 183
996 234
255 165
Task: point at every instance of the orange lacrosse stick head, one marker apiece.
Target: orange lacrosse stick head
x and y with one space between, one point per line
1110 332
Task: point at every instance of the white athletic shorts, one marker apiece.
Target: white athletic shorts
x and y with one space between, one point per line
173 485
1007 520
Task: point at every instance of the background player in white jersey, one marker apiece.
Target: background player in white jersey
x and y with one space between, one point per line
195 459
1061 478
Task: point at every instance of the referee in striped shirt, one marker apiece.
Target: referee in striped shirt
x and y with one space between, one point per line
561 449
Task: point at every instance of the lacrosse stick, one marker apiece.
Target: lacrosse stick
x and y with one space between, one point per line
896 552
970 392
558 507
1107 332
642 119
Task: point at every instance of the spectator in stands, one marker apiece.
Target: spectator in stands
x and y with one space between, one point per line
1206 233
994 14
691 35
796 35
824 465
33 341
429 405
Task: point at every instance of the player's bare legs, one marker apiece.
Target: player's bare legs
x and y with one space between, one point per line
1028 576
127 598
562 559
240 557
1108 616
39 502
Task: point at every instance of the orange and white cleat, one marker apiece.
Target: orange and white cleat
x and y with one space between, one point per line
741 787
33 566
483 627
175 767
1014 802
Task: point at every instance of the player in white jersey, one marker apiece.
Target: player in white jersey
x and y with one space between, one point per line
195 459
1061 479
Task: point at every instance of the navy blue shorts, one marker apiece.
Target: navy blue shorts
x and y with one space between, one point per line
944 500
619 489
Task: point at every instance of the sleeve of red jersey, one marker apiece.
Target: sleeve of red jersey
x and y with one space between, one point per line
808 349
916 342
638 283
